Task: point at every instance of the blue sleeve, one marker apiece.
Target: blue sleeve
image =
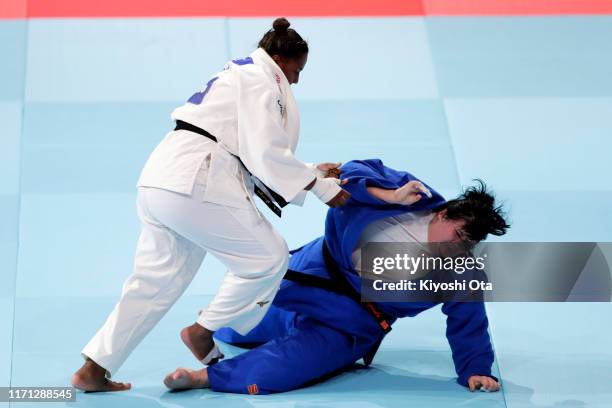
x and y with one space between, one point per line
466 331
362 174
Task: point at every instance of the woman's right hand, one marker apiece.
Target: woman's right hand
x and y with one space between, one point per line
340 199
324 170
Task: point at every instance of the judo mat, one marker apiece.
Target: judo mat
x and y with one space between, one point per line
522 101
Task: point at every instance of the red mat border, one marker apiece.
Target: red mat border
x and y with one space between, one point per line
15 9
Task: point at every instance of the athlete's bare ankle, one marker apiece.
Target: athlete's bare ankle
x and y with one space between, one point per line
93 367
201 331
202 379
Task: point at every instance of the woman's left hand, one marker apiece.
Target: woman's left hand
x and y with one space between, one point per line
409 193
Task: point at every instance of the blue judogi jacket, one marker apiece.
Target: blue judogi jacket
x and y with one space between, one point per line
467 322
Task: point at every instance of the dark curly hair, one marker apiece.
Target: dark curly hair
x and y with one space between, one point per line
476 206
283 41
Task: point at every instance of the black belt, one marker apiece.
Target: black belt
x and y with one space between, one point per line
181 125
339 284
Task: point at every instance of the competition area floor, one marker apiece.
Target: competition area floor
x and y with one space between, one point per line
523 103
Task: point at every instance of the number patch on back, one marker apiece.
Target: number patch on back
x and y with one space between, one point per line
243 61
198 97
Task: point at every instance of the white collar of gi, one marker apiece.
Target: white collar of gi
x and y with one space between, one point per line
261 57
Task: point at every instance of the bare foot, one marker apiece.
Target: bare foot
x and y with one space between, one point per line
200 341
184 378
92 377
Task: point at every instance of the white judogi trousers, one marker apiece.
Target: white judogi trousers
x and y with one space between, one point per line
177 232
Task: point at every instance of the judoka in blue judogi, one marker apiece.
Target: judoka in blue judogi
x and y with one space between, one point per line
311 330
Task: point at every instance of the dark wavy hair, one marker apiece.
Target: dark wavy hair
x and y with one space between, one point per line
476 206
283 41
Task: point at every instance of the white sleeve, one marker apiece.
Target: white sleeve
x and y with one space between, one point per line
299 199
263 144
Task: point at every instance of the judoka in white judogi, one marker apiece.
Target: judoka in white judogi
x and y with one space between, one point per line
194 197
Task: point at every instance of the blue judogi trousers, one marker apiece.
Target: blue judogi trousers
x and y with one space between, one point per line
308 333
311 332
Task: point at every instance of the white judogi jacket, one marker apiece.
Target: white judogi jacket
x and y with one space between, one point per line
250 108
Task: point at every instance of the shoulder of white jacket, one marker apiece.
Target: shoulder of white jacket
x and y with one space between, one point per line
244 66
250 69
256 77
